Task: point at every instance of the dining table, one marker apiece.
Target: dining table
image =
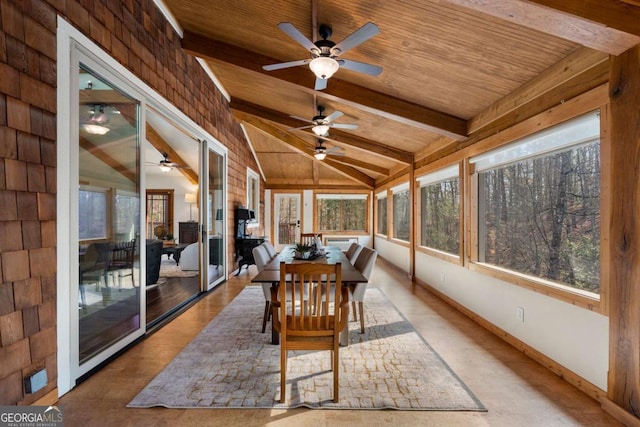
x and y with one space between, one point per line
327 255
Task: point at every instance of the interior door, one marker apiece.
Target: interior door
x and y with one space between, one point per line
286 219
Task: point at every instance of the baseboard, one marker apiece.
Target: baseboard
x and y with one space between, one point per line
561 371
620 414
48 399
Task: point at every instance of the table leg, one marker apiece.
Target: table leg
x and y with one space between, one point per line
275 336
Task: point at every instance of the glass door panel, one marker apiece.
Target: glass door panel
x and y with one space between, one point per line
171 172
215 219
286 219
109 215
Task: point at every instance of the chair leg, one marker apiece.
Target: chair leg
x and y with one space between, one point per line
265 318
283 373
336 381
355 313
361 307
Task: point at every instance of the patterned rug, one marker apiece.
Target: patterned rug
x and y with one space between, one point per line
230 364
172 270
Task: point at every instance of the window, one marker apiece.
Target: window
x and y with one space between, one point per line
381 201
440 210
253 192
341 212
539 205
401 213
127 216
93 206
159 212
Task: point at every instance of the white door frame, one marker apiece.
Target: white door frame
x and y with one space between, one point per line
72 45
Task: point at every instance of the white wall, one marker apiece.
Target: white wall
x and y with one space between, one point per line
396 254
576 338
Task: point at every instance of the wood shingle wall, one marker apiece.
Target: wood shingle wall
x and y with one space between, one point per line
136 34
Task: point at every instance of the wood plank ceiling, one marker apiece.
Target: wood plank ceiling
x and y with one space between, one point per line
453 72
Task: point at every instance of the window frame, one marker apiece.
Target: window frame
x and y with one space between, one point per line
170 194
365 197
383 195
550 288
253 203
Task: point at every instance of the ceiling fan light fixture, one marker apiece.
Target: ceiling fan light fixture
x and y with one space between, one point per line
95 129
165 168
320 155
321 130
324 66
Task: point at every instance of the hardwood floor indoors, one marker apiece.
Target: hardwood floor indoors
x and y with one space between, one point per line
516 390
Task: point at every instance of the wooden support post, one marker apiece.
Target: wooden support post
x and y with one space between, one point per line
624 279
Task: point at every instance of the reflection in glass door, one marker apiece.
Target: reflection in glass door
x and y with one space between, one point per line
286 219
109 215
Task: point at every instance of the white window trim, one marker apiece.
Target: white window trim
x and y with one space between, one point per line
253 175
440 175
400 188
581 130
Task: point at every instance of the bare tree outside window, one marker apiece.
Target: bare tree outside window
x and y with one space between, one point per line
382 216
341 214
401 215
440 216
541 217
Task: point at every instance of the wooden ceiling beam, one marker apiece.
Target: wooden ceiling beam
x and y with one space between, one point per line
340 136
569 69
106 158
163 147
622 16
301 146
337 90
609 26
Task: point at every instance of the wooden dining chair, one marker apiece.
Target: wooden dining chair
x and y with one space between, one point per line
301 327
309 238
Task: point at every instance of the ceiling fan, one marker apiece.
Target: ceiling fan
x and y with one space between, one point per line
167 165
321 152
325 54
320 124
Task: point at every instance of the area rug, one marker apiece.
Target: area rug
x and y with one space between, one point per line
175 271
230 364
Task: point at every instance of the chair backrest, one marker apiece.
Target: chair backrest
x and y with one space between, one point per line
351 249
271 251
260 256
365 261
314 317
309 238
354 255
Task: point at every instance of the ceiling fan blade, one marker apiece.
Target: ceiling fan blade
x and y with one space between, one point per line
361 35
282 65
331 117
295 34
320 84
344 125
334 150
303 119
360 67
302 127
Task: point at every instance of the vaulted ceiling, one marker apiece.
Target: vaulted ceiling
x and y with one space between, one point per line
454 71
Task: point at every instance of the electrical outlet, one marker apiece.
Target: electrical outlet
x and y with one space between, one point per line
442 277
520 314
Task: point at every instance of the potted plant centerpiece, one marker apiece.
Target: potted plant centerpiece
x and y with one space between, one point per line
302 251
